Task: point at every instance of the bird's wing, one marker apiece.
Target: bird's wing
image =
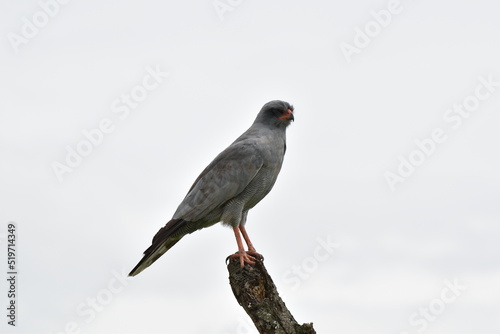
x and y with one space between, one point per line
226 176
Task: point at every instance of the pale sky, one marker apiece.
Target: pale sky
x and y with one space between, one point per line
385 217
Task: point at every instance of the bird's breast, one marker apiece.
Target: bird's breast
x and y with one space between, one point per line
265 179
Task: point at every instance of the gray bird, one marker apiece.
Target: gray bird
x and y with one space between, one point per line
233 183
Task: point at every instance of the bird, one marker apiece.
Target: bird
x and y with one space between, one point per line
232 184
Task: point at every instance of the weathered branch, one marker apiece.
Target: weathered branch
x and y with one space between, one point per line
256 293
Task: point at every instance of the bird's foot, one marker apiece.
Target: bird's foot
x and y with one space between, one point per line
254 254
246 256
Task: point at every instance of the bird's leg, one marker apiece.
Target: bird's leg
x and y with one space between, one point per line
251 248
241 254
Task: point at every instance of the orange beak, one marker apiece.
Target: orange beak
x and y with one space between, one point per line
288 116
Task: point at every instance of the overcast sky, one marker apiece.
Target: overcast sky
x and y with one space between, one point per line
385 217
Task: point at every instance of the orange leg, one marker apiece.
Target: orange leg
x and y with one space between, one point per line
251 248
247 239
242 255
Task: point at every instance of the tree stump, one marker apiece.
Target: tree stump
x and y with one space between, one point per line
256 293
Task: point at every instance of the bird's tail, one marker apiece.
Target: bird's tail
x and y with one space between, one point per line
165 239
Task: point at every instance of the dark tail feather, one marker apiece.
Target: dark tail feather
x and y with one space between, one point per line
165 239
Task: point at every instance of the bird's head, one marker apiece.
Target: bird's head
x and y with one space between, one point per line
276 113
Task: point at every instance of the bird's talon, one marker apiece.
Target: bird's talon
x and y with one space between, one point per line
244 257
256 255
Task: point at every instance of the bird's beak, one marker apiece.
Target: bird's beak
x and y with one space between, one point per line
288 116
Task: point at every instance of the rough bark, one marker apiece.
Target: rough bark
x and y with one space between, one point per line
256 293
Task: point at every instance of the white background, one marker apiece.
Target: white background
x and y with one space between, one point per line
354 120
